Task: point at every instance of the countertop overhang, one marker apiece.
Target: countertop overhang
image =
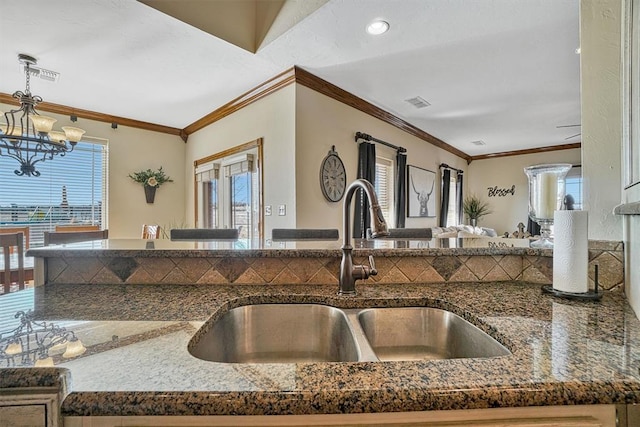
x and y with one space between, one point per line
563 352
241 248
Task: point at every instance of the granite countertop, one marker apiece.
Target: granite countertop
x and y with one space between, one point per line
137 363
286 249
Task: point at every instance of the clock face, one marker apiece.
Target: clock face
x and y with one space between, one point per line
333 178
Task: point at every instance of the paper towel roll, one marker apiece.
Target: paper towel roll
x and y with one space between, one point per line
570 251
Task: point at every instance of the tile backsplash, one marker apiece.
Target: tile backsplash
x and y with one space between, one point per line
324 270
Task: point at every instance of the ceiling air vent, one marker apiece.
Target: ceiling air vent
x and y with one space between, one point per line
418 102
478 142
48 75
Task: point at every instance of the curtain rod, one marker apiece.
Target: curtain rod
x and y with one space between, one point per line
366 137
444 165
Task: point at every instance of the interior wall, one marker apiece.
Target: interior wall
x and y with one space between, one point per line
504 172
271 118
132 150
322 122
601 26
600 68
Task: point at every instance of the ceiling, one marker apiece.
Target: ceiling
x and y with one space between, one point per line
500 71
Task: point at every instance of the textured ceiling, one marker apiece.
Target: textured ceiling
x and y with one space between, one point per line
501 71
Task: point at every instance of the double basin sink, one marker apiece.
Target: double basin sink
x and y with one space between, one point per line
296 333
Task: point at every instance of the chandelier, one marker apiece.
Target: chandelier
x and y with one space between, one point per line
29 344
27 136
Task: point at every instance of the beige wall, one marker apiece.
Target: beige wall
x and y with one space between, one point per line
600 67
601 61
131 150
322 122
503 172
271 118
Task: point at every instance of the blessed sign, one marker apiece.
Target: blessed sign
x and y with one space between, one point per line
501 192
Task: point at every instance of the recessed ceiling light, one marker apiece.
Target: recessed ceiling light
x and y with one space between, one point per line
378 27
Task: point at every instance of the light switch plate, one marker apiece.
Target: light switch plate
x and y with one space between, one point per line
267 210
282 210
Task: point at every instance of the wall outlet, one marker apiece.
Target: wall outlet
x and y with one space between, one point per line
282 210
267 210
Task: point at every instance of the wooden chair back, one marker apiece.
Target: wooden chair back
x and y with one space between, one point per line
69 228
23 230
59 237
204 234
7 242
150 231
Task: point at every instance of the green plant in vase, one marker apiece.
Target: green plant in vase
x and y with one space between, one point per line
151 180
475 208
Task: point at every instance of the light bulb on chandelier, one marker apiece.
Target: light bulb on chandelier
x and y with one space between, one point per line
27 136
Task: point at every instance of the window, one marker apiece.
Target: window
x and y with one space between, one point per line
241 180
70 190
452 211
208 178
384 186
573 189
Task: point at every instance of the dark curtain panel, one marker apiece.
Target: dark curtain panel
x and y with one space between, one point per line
401 189
366 170
459 198
444 202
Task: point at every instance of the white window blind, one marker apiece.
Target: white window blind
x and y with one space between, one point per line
384 187
70 189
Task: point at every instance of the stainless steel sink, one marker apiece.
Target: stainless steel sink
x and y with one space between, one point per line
293 333
278 333
422 333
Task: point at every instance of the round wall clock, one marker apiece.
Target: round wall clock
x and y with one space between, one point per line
333 177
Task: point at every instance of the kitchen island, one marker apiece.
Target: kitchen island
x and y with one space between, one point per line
137 362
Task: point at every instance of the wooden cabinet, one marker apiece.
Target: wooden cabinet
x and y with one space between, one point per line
549 416
29 408
23 416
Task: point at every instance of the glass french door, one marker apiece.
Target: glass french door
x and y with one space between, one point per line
228 194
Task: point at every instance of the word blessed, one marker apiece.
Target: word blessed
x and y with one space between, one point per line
501 192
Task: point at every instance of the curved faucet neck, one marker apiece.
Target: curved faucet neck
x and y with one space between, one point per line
346 214
348 272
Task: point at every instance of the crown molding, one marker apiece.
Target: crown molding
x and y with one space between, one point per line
313 82
305 78
527 151
292 75
100 117
248 98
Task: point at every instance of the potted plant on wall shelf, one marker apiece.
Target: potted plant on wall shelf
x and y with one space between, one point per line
150 180
475 208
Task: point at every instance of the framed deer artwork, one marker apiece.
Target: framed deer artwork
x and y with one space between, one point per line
421 184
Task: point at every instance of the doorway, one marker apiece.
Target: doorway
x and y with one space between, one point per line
228 190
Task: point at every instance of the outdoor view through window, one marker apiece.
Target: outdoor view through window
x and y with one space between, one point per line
70 190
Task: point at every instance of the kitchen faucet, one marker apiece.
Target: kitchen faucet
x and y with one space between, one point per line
349 273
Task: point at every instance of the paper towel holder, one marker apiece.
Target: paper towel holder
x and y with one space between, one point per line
591 295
